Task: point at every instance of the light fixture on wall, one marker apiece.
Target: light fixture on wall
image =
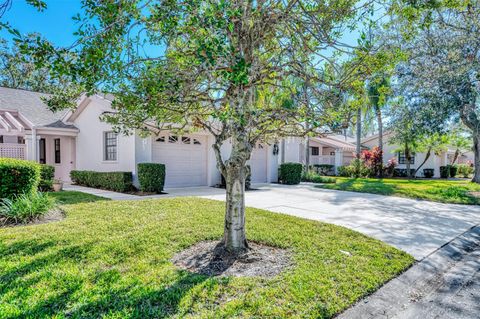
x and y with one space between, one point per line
275 149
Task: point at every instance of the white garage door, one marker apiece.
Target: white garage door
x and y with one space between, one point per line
185 159
258 163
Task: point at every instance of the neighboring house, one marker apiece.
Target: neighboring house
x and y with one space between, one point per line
435 160
330 149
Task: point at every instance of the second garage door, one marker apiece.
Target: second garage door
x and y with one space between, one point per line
185 159
258 163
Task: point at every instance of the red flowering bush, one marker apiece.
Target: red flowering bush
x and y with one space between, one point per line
373 160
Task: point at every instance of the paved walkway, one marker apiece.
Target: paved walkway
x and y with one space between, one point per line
417 227
444 285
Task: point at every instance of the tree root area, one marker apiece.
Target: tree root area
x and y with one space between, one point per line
212 259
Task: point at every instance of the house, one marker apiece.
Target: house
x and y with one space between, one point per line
434 162
79 140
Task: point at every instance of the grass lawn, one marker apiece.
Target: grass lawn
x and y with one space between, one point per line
445 191
111 259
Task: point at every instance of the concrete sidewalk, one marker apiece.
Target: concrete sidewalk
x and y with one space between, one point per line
446 284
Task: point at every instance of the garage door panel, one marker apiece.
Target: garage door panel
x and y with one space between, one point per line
258 164
185 164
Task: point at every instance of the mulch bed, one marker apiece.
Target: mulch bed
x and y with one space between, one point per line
52 216
211 259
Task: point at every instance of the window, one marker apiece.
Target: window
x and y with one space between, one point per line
161 139
196 142
57 150
172 139
332 153
1 138
42 151
403 160
315 151
20 140
110 142
185 140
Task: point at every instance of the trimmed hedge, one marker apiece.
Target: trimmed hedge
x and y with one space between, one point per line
114 181
444 171
325 169
151 177
453 170
290 173
428 172
402 172
18 177
47 173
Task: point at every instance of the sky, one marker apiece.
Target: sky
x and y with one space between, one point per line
55 23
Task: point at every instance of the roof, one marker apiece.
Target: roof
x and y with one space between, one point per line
335 142
31 106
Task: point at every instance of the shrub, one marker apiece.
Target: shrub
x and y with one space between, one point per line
47 174
343 171
428 172
151 177
114 181
290 173
25 207
18 177
372 159
358 168
324 169
313 177
402 172
452 170
444 171
464 170
389 169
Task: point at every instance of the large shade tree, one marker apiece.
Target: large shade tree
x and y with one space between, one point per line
441 77
233 68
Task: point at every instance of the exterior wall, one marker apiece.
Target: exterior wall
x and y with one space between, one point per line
435 161
90 142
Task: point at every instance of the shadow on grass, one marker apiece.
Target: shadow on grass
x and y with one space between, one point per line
112 293
74 197
373 186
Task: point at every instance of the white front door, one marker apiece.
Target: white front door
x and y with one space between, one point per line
185 159
258 163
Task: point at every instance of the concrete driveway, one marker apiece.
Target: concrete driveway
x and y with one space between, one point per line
417 227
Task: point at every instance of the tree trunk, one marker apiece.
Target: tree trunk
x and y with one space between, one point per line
407 160
307 154
378 111
427 156
476 151
234 237
359 132
455 156
235 171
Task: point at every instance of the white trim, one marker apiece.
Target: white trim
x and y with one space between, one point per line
12 119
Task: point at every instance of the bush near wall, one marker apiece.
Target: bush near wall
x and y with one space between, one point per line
428 172
47 174
464 170
114 181
452 170
444 171
18 177
402 172
324 169
290 173
151 177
